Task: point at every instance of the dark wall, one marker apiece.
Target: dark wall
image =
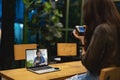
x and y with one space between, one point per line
7 40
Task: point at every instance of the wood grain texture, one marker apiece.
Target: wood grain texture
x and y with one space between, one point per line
66 49
19 50
111 73
66 70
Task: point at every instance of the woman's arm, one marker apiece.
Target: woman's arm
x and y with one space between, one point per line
94 54
81 38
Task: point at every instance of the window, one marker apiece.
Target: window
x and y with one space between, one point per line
18 24
71 10
0 9
117 3
0 17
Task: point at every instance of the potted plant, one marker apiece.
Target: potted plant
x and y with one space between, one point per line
43 21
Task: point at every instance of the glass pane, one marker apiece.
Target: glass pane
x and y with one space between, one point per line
19 11
18 25
74 13
0 9
18 30
0 18
118 5
61 6
0 32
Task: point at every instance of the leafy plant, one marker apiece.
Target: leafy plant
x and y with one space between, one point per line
43 21
29 63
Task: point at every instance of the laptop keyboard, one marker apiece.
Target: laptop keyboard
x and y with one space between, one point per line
45 70
41 68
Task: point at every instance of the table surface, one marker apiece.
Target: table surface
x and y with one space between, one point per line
66 70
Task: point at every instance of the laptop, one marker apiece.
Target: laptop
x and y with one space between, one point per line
37 61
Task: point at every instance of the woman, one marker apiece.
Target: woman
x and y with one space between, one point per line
102 38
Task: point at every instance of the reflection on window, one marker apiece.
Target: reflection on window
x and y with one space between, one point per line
18 25
0 18
75 13
0 32
19 11
0 9
18 30
61 6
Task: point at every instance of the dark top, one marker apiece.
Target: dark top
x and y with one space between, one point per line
103 50
39 60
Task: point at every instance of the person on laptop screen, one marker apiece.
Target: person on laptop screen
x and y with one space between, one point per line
39 59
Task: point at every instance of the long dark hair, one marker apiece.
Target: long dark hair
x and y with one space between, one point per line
96 12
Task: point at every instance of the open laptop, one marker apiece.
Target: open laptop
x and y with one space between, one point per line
38 65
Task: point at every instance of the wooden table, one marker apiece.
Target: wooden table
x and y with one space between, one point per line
67 69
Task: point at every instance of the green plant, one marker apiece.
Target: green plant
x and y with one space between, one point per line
43 21
29 63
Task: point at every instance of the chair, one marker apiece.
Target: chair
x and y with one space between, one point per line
19 50
111 73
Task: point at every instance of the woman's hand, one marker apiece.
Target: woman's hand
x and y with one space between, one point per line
81 38
76 34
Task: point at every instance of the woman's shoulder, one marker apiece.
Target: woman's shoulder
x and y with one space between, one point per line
104 28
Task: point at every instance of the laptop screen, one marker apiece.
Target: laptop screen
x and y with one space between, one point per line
36 57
